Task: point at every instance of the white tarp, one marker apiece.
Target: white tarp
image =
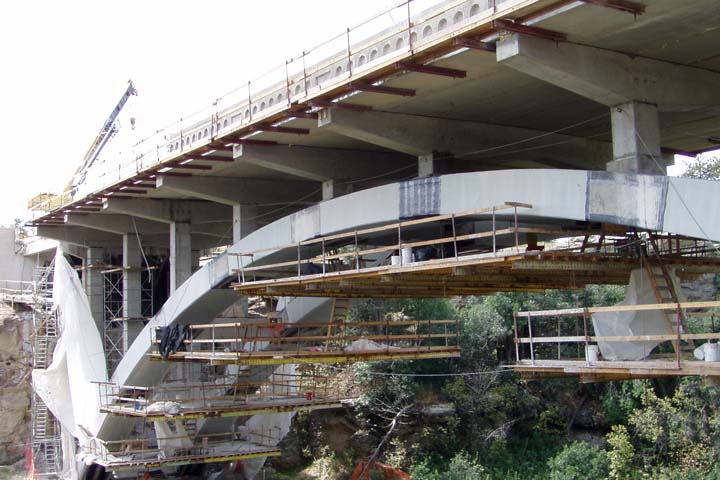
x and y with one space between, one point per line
269 429
69 392
639 292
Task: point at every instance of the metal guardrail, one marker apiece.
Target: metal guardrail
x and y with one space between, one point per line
538 348
230 397
404 29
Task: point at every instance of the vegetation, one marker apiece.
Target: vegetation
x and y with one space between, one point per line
498 426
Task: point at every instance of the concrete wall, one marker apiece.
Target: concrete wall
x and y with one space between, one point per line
13 266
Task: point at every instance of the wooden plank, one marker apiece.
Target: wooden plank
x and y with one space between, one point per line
619 308
623 338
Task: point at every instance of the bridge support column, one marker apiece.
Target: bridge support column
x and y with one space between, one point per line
331 189
433 163
636 139
131 290
635 88
244 221
93 281
180 254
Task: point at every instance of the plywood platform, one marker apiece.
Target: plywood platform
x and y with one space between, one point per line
238 409
301 357
142 462
615 370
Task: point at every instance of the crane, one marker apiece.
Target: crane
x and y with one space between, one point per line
108 130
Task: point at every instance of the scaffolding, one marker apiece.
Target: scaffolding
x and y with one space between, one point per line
113 314
467 253
176 450
278 343
228 396
45 429
113 317
572 348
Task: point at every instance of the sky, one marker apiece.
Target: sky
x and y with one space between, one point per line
66 64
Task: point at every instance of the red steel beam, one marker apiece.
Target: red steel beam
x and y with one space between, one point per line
270 128
251 141
217 148
474 44
622 5
370 88
174 174
307 115
213 158
188 166
508 26
431 70
132 190
340 105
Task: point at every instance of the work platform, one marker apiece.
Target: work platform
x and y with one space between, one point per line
673 354
135 454
283 392
431 257
278 343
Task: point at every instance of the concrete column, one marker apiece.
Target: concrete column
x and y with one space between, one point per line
180 254
332 189
636 139
94 284
132 290
244 221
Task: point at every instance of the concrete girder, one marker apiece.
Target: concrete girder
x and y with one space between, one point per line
419 136
612 78
319 164
234 191
169 211
86 237
117 224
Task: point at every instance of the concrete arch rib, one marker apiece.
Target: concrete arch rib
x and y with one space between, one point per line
642 201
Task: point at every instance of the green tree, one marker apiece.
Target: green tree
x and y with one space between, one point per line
704 167
621 453
579 461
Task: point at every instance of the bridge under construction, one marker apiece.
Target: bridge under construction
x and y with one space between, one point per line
439 149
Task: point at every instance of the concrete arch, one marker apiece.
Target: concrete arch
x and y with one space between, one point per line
642 201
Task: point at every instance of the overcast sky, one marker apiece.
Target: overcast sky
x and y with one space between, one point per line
66 63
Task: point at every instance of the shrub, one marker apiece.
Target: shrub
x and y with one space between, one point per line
579 461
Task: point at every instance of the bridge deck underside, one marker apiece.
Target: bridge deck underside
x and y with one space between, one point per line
471 275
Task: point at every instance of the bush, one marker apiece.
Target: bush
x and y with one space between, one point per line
579 461
461 467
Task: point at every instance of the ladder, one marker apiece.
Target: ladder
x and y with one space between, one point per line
338 316
663 288
45 430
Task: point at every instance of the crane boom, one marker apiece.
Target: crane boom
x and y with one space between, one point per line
107 131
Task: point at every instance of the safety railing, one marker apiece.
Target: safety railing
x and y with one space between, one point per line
15 291
348 252
182 449
227 397
380 41
308 342
566 337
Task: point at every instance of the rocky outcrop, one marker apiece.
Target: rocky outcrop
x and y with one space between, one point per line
15 389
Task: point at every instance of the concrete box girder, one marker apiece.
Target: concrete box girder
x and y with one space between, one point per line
612 78
319 164
169 211
419 135
233 191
